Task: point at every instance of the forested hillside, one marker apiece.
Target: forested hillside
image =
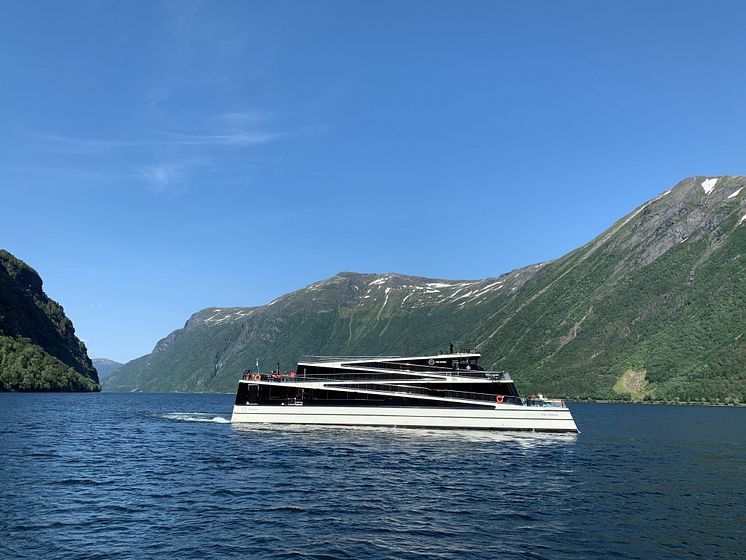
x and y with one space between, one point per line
38 347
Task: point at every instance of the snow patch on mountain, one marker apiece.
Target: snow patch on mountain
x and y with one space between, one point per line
221 316
735 194
454 294
466 295
709 184
386 299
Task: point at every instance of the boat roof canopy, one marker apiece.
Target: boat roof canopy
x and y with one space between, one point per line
307 360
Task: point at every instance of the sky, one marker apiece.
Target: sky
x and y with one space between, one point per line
157 158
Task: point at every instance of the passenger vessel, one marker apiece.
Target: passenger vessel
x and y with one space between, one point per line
448 390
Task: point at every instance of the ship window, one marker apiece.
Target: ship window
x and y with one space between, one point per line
242 394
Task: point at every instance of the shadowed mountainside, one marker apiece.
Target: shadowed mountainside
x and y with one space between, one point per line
38 347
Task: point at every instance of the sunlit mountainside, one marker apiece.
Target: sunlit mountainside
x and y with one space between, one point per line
653 308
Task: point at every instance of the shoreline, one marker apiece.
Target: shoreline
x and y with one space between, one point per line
674 403
567 399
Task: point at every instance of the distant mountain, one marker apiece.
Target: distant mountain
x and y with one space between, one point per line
653 308
348 314
38 347
105 367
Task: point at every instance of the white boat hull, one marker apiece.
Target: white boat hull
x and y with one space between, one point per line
501 417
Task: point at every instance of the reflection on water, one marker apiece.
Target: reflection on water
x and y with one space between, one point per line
167 476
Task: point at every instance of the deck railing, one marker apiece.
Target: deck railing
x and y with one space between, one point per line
383 376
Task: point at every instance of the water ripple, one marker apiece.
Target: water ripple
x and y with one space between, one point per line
134 476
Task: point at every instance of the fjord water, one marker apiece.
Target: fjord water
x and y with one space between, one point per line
165 475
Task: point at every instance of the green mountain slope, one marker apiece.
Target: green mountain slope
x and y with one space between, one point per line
660 296
348 314
38 347
652 308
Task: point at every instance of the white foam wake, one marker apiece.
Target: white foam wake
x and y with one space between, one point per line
195 417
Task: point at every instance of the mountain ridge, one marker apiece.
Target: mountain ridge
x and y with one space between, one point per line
572 326
105 367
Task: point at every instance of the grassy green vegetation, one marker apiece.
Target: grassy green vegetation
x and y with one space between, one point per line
38 347
663 291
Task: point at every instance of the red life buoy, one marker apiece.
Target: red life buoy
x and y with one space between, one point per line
499 399
257 377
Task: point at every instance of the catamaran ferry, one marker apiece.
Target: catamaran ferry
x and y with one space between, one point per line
439 391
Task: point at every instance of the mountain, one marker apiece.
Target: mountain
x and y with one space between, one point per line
38 347
348 314
653 308
105 367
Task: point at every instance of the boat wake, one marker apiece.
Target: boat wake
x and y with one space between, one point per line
195 417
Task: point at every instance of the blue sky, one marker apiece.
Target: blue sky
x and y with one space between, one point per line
161 157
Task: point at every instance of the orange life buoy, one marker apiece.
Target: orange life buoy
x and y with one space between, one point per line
257 377
499 399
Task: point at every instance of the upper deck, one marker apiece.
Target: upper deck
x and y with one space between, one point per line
436 366
452 367
454 361
453 379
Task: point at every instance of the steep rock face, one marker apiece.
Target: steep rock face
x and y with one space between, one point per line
661 293
38 346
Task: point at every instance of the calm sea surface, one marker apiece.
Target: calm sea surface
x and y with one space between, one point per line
163 475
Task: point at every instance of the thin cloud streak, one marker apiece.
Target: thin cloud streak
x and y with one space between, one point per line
231 139
167 139
163 159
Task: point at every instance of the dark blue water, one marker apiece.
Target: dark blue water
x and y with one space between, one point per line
145 476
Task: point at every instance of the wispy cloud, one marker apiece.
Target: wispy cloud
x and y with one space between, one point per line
171 176
229 139
163 138
162 177
165 158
